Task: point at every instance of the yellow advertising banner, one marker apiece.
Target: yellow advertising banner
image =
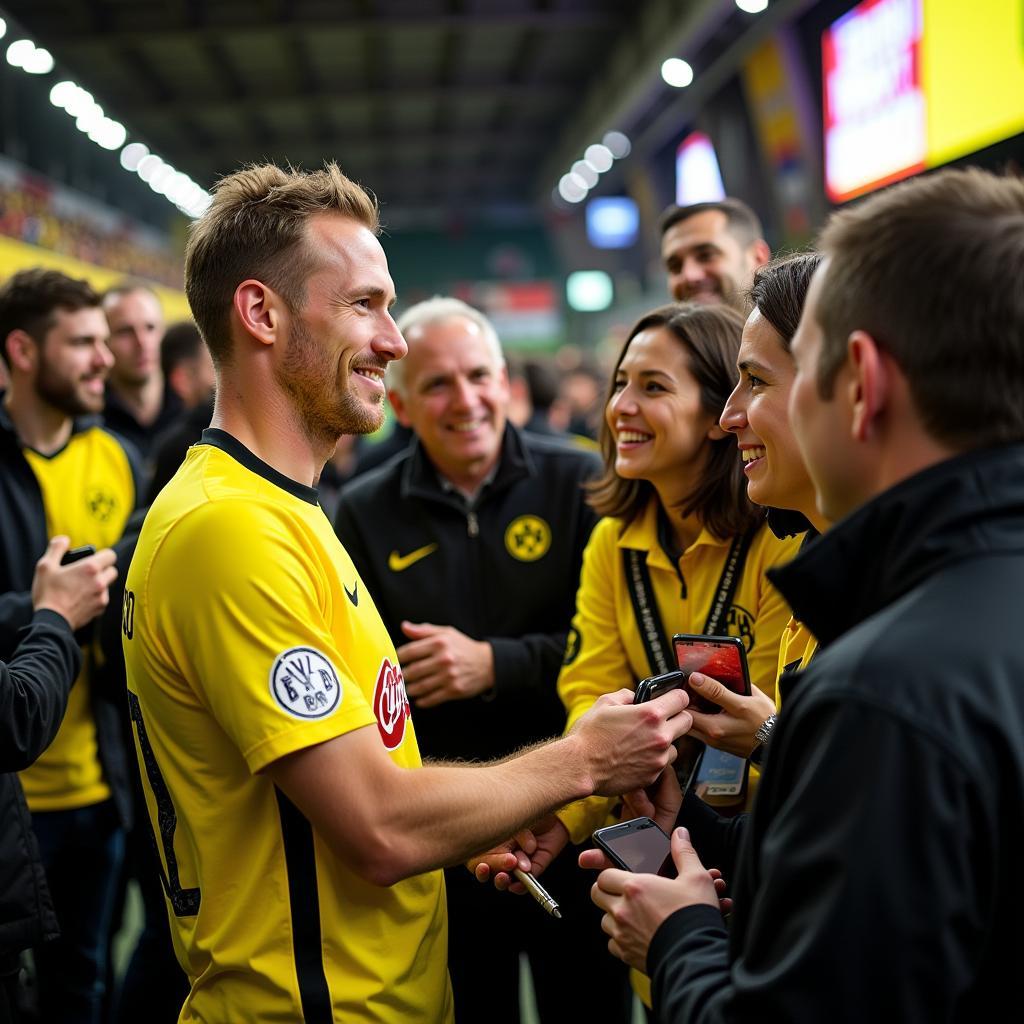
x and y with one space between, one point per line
973 74
16 255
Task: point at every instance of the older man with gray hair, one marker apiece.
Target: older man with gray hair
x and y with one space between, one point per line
471 544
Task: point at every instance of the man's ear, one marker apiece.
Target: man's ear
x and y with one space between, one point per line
869 384
760 252
258 309
22 351
398 404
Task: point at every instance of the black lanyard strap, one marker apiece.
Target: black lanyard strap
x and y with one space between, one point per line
648 620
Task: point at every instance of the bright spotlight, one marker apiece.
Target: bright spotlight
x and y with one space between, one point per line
586 173
677 73
752 6
19 51
571 189
3 28
132 155
38 62
617 144
148 166
62 94
599 157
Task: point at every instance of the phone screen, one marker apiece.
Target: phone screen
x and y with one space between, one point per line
719 658
639 845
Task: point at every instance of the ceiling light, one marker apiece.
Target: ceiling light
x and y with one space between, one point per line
585 173
572 189
18 51
132 155
599 157
752 6
677 73
618 144
589 291
38 62
148 166
63 93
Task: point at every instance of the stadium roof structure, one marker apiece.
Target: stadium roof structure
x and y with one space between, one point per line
445 108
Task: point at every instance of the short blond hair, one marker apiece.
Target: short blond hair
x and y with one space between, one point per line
256 227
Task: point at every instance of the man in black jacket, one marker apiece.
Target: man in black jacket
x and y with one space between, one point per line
34 690
879 875
471 543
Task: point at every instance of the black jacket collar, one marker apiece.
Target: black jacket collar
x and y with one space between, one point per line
420 478
969 505
9 434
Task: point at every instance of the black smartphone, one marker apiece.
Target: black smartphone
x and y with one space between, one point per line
691 749
638 845
654 686
77 554
722 657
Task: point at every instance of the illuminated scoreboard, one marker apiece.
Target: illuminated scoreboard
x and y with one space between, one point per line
911 84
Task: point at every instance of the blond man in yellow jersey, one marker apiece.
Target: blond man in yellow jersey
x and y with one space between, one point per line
299 836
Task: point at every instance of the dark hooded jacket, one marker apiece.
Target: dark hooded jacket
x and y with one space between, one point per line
878 877
34 690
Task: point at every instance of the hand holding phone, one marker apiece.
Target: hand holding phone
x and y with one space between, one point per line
638 845
77 554
722 657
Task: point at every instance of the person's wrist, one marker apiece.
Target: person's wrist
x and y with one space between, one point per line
573 754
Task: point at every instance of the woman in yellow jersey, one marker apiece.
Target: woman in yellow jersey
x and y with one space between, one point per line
677 517
756 414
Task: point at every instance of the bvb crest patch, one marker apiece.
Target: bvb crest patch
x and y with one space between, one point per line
305 683
740 623
100 503
527 538
573 644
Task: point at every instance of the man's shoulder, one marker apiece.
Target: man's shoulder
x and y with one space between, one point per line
573 450
943 647
371 485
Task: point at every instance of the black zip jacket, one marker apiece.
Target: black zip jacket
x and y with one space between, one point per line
23 541
879 875
34 690
471 581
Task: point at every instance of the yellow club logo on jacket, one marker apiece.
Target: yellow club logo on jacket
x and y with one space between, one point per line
528 538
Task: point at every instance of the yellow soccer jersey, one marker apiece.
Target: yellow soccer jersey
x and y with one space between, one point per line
248 635
796 650
88 492
605 649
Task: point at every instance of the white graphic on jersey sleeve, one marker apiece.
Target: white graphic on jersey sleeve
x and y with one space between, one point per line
305 683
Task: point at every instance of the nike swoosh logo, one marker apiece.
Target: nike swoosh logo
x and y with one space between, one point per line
353 594
399 563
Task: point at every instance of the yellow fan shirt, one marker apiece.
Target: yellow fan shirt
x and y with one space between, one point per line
88 493
248 635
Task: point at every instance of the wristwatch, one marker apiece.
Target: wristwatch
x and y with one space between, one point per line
764 730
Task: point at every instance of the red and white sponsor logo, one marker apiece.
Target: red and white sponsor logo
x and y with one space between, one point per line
391 705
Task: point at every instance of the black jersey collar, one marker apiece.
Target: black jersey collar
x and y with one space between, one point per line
217 438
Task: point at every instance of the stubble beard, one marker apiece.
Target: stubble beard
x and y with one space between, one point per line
325 409
61 393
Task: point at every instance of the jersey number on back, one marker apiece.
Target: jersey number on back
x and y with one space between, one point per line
185 902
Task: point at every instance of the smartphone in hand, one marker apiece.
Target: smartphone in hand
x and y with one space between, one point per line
77 554
721 657
637 845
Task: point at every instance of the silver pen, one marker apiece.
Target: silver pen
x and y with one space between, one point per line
538 892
